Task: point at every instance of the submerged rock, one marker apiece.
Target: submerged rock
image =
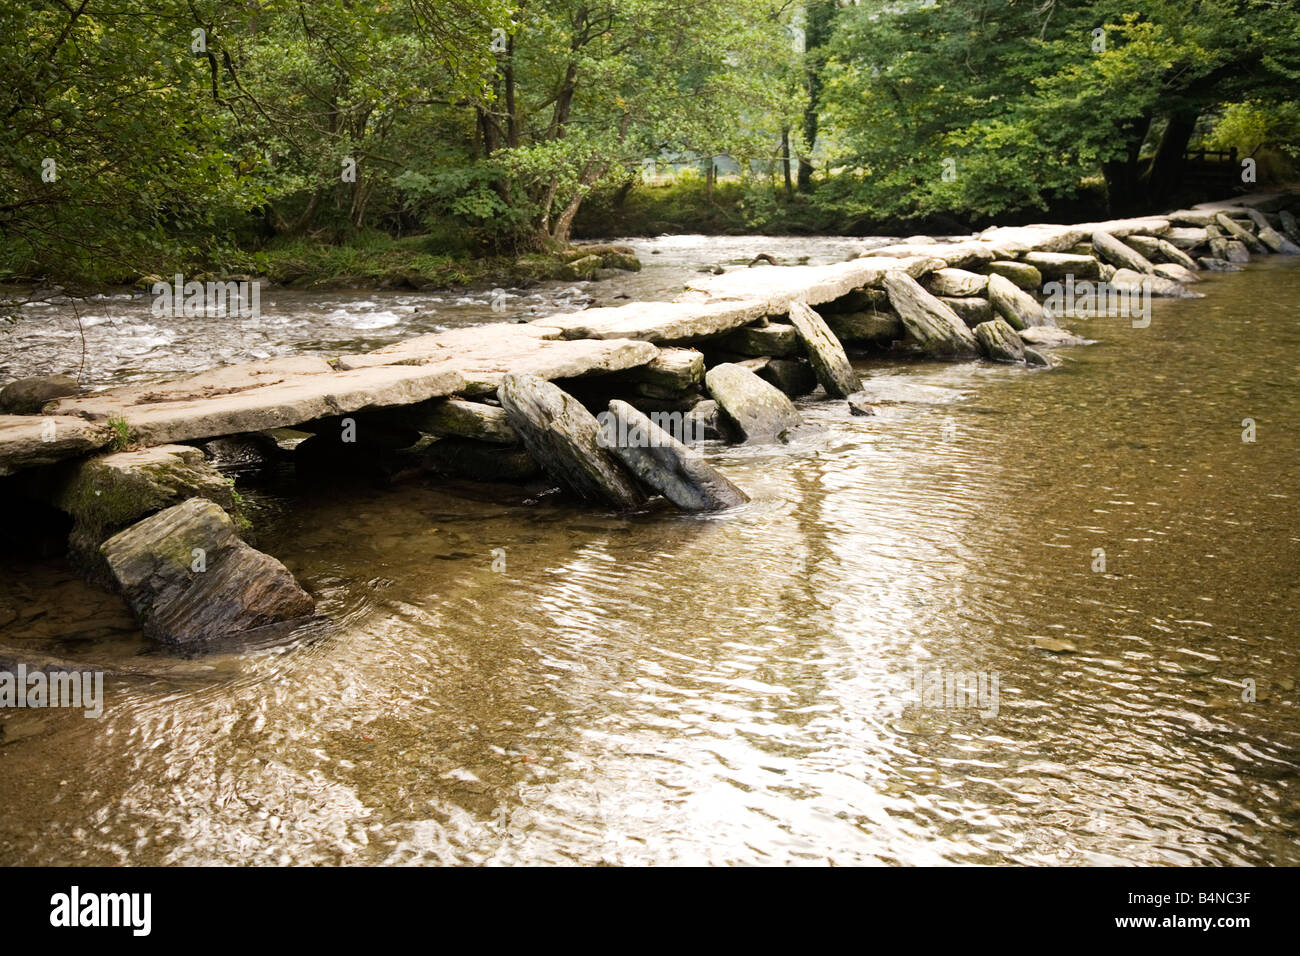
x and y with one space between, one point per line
1172 270
825 354
663 463
1133 282
1212 264
191 580
27 396
1035 358
760 412
999 342
935 326
564 439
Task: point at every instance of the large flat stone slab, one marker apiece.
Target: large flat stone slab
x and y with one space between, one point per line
30 440
195 407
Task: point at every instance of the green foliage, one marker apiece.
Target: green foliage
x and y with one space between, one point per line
1025 101
121 432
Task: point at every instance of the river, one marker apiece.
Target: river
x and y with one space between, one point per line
510 679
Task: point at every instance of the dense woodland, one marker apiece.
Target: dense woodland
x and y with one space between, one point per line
142 136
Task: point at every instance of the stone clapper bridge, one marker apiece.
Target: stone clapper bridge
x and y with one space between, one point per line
158 523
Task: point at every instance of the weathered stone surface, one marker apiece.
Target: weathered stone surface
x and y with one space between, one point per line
1188 237
935 326
1214 264
1129 281
1277 242
673 370
1218 244
957 255
30 440
972 309
859 405
1054 266
1235 251
1192 217
191 580
1022 274
1171 270
956 282
583 268
1020 309
825 354
870 299
563 437
1156 249
1120 254
866 326
1037 359
483 355
775 339
775 289
1237 232
1051 238
792 376
999 342
663 463
457 417
657 322
260 396
480 461
706 422
108 492
27 396
1289 226
760 412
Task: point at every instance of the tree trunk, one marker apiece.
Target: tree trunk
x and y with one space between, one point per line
817 15
1165 176
785 162
1123 189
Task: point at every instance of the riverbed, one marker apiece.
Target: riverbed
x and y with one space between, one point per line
508 678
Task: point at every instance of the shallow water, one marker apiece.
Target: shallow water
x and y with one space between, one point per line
739 688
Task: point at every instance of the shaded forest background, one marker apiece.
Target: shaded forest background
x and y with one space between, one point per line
148 136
